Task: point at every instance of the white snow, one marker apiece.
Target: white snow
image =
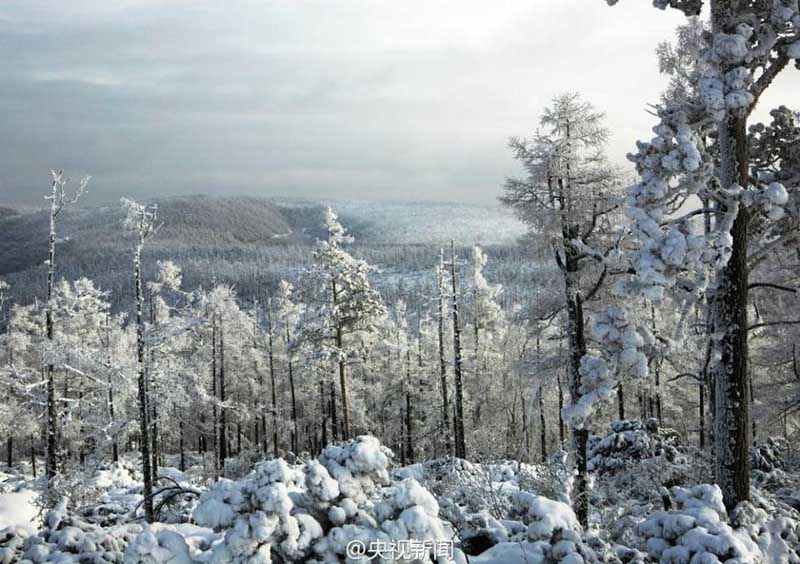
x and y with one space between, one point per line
17 509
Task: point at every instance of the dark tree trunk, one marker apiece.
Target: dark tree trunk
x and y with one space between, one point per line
339 336
702 417
295 432
223 416
51 422
561 433
409 412
181 446
10 451
542 426
448 445
621 402
144 440
732 395
271 356
334 418
214 386
577 350
323 409
460 442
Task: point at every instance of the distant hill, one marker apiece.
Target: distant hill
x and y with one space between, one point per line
248 242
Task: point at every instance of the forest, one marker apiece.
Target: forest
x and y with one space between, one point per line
613 376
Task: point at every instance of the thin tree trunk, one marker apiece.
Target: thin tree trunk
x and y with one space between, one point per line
621 401
51 461
181 446
323 414
151 401
215 415
409 412
342 367
702 389
223 416
561 433
542 426
334 417
295 433
144 440
448 446
271 356
460 446
114 446
33 456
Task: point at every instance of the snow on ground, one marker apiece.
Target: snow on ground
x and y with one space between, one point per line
493 513
17 510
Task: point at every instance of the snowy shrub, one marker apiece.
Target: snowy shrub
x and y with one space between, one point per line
698 530
770 455
629 442
310 512
67 538
151 547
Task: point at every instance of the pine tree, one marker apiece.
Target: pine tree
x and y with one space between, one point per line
346 310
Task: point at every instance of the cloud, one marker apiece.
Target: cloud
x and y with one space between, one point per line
330 98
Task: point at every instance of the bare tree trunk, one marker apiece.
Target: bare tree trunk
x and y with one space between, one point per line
215 414
181 446
448 446
702 417
51 423
33 456
323 408
152 402
409 412
295 432
342 367
114 446
542 426
561 433
621 401
460 443
223 416
144 440
271 356
334 417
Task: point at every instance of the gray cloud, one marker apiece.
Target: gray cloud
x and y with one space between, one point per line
331 98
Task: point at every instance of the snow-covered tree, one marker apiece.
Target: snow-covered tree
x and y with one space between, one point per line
346 307
58 198
569 191
141 222
749 44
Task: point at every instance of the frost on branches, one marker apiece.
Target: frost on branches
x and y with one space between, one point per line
622 344
676 167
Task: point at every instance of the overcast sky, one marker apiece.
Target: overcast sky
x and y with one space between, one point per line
349 99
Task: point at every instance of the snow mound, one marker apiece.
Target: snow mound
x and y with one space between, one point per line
311 512
699 530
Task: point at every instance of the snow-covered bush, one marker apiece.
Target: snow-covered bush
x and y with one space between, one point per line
699 530
629 442
67 538
770 455
310 512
